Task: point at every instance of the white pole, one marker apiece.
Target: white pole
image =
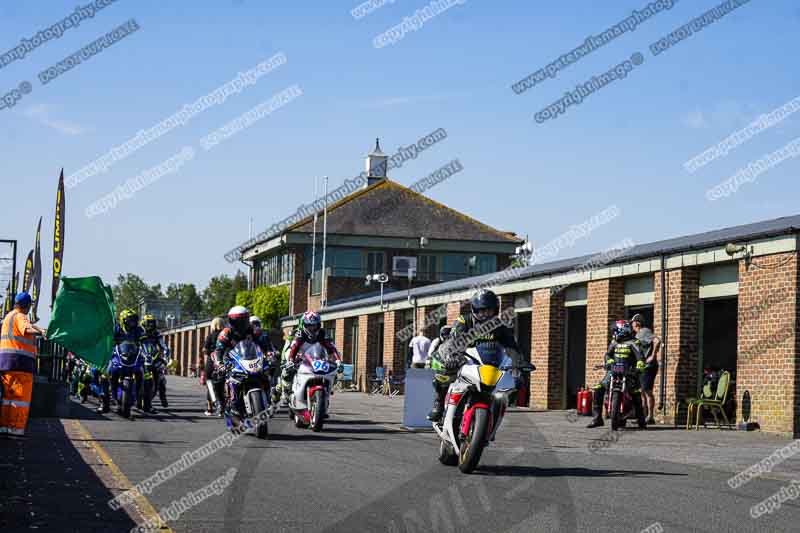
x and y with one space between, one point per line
324 245
314 237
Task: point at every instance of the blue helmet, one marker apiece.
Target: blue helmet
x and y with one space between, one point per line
23 299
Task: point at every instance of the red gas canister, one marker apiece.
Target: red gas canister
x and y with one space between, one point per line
584 402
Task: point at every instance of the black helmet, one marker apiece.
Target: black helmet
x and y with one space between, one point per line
444 333
623 331
638 318
485 305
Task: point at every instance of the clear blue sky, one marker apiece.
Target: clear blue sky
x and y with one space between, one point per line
624 145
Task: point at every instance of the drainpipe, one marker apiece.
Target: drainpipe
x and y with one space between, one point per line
663 393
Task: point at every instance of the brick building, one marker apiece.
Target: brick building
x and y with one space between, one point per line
725 299
382 228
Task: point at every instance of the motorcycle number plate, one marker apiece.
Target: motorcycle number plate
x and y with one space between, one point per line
320 366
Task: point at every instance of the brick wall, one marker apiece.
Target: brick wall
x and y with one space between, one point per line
393 352
547 349
683 301
368 349
298 289
767 362
605 305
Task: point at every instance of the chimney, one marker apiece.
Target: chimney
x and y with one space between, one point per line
376 165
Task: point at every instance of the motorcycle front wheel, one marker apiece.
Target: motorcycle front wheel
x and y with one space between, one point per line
616 416
127 400
472 447
317 411
447 455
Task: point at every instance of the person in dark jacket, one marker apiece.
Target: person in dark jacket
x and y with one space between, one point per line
210 344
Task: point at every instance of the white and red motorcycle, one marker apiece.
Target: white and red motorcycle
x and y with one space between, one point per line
312 386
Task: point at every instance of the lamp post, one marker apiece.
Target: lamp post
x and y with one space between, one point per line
380 278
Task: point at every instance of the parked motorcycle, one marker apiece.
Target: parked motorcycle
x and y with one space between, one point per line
476 403
128 361
248 378
618 401
312 387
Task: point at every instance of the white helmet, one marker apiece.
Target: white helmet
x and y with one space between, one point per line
239 319
255 320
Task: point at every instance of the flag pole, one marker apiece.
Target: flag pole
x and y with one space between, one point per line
324 294
314 235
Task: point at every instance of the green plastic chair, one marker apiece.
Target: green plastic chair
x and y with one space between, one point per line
718 402
691 403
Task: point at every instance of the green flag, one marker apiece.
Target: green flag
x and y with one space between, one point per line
83 319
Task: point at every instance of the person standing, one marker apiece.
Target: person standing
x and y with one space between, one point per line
210 344
420 346
651 346
17 366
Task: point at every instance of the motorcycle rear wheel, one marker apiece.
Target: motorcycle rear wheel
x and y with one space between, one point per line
473 445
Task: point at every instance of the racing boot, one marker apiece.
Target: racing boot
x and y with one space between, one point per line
438 405
597 409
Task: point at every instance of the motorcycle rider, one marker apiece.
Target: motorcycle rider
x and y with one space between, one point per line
261 338
238 329
127 329
485 305
154 337
623 346
280 390
444 334
310 331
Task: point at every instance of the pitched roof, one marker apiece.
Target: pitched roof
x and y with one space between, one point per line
387 209
742 233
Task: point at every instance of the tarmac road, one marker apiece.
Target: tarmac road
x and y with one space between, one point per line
365 473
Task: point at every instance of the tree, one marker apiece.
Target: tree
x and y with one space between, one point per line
192 306
220 295
268 303
129 291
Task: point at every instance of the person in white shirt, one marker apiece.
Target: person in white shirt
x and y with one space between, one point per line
420 346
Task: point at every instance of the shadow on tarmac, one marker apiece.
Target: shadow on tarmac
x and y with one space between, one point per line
535 471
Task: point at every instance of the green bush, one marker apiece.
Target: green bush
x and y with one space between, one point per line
268 303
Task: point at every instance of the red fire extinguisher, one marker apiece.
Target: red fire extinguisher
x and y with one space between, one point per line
584 402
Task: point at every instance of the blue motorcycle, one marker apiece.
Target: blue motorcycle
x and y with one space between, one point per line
248 373
127 375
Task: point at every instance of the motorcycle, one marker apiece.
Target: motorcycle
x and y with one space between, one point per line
128 362
248 378
312 387
476 403
155 380
618 402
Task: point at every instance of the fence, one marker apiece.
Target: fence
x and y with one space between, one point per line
52 361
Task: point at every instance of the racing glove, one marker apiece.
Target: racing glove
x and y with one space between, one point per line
609 364
453 362
640 366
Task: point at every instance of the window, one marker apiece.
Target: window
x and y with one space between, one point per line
426 268
346 262
376 263
274 269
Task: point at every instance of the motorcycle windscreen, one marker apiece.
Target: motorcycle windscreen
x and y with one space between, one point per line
247 350
490 353
315 352
128 352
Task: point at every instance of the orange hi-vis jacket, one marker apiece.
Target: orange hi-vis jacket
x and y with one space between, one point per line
17 366
17 350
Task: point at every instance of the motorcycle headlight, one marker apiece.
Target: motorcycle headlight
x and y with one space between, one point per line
490 375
